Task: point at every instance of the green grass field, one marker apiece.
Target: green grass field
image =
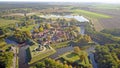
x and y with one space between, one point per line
90 14
94 17
63 44
60 45
107 6
30 27
72 57
4 22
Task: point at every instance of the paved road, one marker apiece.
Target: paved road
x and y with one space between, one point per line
61 51
22 57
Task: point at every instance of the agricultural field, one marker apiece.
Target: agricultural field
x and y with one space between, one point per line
20 14
90 14
94 17
107 6
107 9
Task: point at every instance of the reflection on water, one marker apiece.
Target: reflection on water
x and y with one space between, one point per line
77 17
10 42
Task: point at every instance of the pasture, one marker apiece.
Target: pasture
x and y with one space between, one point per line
90 14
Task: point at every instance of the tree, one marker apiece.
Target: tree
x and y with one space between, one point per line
1 32
65 37
107 57
36 30
73 33
70 66
50 63
84 39
41 29
76 50
48 38
48 26
40 65
66 66
78 29
82 57
19 36
6 59
58 64
28 33
87 38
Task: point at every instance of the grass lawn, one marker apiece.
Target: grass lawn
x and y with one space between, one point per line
94 17
90 14
107 6
4 22
30 27
72 57
60 45
36 56
63 44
